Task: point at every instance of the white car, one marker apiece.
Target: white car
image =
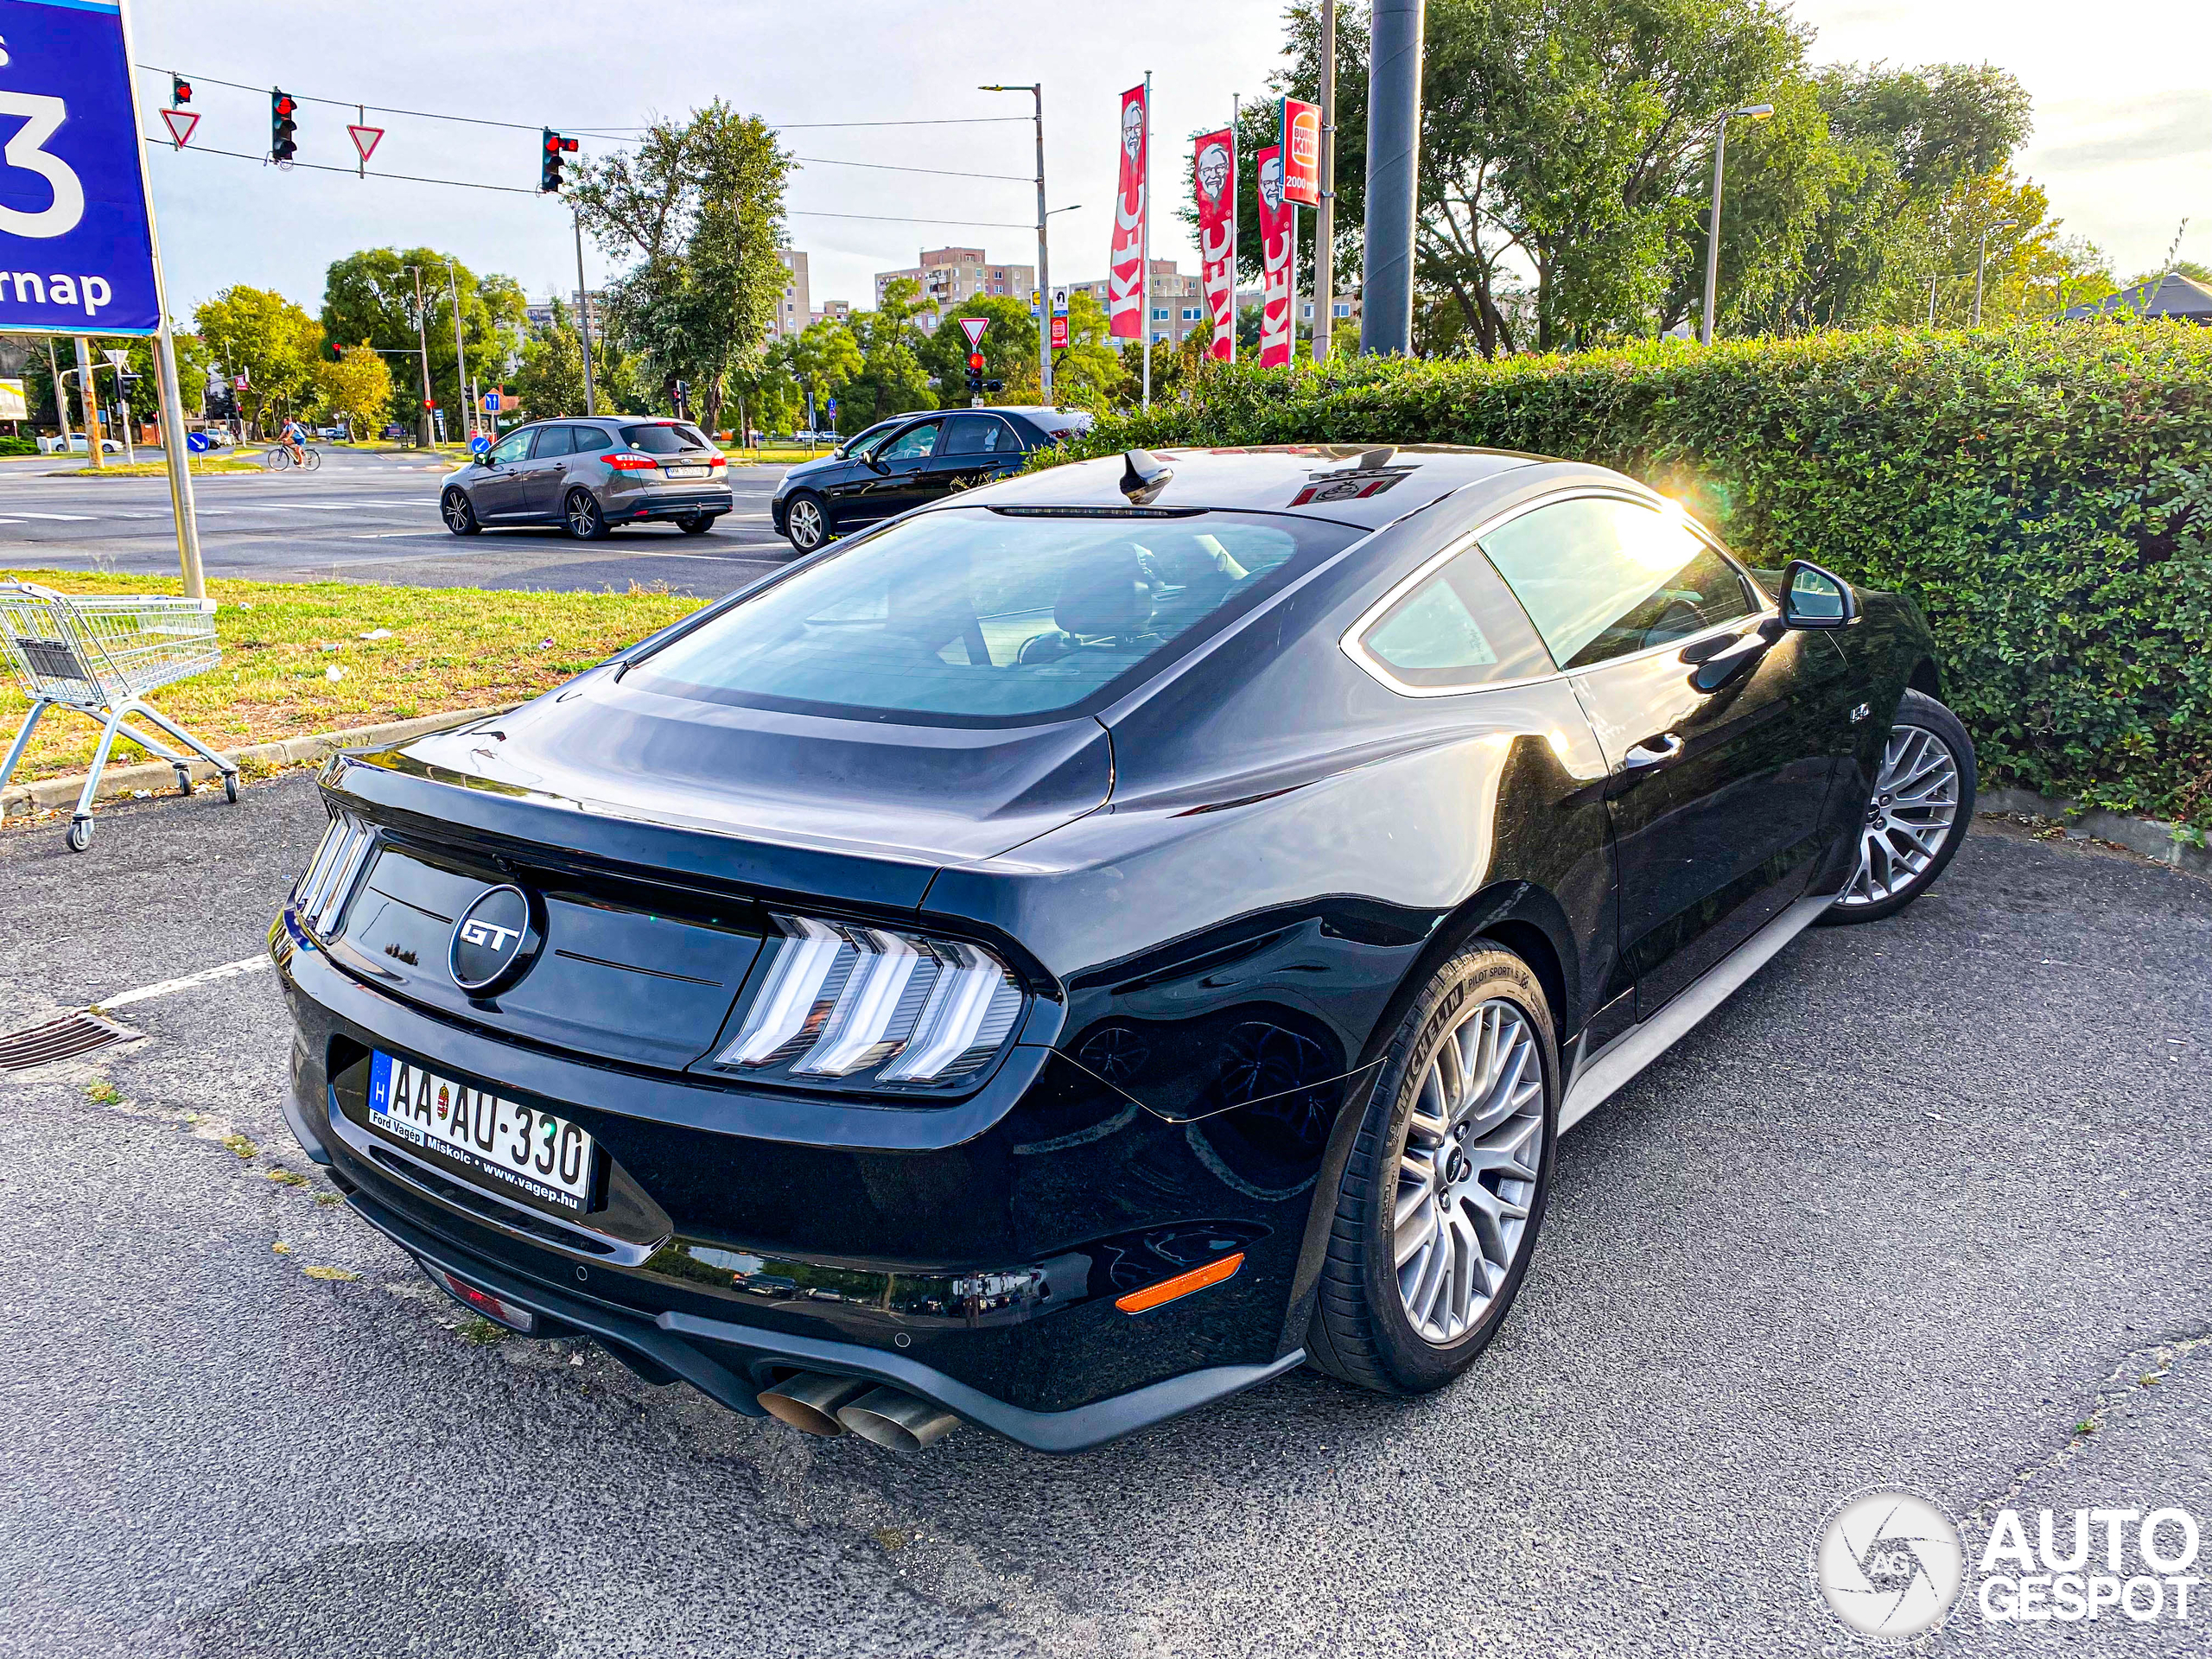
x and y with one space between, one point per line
78 445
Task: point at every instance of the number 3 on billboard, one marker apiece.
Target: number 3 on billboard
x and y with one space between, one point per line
42 117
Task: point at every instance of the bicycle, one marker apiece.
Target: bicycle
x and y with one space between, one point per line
281 457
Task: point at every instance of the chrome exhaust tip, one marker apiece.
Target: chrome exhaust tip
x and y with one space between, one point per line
808 1400
896 1421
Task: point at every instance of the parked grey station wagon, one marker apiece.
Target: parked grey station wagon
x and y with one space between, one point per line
591 475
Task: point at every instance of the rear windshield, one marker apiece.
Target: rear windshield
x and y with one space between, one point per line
972 617
664 438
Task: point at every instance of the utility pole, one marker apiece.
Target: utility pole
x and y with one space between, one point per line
1386 323
1324 216
1757 112
89 401
1044 254
583 306
423 340
461 359
61 392
1144 245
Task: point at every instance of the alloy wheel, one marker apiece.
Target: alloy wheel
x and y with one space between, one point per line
460 517
583 515
1914 811
806 521
1467 1173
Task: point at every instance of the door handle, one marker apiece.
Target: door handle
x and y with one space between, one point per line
1652 752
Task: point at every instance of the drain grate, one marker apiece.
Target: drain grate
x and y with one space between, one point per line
60 1040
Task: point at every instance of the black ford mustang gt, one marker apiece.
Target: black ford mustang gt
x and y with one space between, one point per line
1094 943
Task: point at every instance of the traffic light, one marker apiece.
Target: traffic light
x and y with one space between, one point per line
282 126
549 169
179 91
975 374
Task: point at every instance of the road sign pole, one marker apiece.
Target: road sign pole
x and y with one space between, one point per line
583 309
88 397
180 459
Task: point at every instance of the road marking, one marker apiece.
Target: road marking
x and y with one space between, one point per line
170 986
62 518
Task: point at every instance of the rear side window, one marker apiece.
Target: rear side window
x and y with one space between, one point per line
552 441
589 440
664 438
1455 629
979 434
1602 577
971 617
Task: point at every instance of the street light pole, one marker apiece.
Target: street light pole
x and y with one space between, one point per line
423 356
1324 216
461 359
1754 112
1394 81
1044 254
583 308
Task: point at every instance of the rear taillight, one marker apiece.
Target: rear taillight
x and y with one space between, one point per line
319 900
874 1005
628 463
719 460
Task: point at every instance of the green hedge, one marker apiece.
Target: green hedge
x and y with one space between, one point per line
2045 494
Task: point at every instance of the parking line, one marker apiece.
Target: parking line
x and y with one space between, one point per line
170 986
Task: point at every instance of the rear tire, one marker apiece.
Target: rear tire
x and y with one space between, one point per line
1438 1205
581 515
459 512
1917 816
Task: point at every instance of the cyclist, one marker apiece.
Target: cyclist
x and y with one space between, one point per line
294 438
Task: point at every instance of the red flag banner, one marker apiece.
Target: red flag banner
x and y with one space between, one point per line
1278 226
1301 153
1216 188
1125 283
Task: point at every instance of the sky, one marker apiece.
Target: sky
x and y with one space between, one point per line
2123 138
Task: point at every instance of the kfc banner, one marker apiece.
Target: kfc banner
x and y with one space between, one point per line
1278 242
1216 194
1125 283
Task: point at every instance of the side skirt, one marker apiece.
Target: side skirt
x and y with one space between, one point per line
1596 1080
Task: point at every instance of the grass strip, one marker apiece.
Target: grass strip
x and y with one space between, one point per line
446 648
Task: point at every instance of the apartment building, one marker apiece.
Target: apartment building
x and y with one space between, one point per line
834 311
951 277
795 305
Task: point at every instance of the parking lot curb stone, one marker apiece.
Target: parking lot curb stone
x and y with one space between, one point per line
50 793
2151 837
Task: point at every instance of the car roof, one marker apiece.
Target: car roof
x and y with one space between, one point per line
1366 484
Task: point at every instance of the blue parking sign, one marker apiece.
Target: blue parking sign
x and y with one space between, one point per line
76 244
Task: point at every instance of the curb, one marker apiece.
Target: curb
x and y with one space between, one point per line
51 794
2152 838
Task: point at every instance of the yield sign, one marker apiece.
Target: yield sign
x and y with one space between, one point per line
365 139
973 328
181 123
116 358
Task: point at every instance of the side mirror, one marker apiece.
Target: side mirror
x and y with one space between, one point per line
1814 597
873 464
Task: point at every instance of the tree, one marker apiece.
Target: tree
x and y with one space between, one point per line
1009 350
551 380
356 387
890 379
822 360
369 299
263 336
700 205
1088 374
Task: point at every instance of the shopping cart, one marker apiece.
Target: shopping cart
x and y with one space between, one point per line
101 655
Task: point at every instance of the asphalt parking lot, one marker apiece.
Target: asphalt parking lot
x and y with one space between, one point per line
362 518
1924 1197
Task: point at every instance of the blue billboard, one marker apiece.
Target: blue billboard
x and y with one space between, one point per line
76 251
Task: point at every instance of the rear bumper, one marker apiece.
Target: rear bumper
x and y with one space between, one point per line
981 1272
627 504
732 1362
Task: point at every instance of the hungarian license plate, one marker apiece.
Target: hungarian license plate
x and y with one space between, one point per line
531 1151
685 471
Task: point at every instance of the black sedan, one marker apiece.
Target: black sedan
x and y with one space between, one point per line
910 461
1100 941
